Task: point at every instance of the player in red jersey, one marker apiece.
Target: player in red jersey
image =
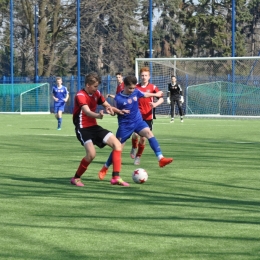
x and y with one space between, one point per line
89 133
146 107
120 86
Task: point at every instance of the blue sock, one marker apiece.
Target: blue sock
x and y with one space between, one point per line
109 160
155 146
59 122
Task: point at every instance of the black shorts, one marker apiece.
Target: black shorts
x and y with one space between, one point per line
94 133
150 124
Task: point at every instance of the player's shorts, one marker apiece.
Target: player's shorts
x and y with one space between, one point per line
125 131
150 124
95 133
59 107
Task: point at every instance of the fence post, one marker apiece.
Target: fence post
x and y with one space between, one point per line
108 83
72 80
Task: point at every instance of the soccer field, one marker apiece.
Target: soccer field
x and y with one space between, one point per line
205 205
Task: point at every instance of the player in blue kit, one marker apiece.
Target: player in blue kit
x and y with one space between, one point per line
127 100
60 95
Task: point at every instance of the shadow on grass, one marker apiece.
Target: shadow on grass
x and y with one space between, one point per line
135 195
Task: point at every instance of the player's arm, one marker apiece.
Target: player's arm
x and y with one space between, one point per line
88 112
108 108
158 102
110 95
157 94
67 97
53 96
181 93
120 111
180 89
169 94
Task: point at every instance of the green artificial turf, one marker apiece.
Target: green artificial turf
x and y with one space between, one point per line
205 205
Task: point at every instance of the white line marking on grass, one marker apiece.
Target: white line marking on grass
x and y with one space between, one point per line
54 134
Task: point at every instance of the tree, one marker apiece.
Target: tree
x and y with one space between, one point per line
168 31
253 29
55 39
107 37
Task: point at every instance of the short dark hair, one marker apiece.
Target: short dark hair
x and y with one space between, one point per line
173 76
119 73
92 78
130 80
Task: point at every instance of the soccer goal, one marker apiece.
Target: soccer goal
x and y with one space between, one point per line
25 98
212 87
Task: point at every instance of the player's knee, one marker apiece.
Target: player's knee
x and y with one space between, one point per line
117 146
90 157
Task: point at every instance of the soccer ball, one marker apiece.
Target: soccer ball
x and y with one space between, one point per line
140 176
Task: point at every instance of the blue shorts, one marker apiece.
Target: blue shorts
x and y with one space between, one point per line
125 131
59 107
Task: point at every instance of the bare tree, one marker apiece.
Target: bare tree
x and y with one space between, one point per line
56 35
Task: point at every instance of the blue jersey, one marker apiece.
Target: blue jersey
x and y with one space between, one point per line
129 102
60 93
132 122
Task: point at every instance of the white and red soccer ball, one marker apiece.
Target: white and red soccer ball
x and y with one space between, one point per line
140 176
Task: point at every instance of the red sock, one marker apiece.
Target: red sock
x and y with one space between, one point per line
116 160
140 150
82 167
134 142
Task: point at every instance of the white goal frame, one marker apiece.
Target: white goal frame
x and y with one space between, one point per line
22 96
171 65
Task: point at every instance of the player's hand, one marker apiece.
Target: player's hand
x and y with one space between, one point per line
101 114
168 101
124 111
152 105
181 99
110 110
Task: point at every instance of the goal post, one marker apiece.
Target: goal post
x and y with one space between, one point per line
212 87
25 98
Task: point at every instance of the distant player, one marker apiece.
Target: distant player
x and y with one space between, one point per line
146 107
89 133
175 96
60 95
131 122
120 86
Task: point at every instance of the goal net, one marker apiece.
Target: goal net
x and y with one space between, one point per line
212 87
25 98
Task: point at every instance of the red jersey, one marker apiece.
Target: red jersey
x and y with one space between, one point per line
80 119
144 103
120 87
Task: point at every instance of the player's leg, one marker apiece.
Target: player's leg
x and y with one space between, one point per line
134 145
123 133
179 104
102 173
59 116
141 144
116 154
146 132
172 110
140 150
90 155
56 110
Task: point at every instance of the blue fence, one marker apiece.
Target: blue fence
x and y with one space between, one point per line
109 84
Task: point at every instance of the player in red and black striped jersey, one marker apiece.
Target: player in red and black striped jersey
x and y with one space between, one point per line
146 107
89 133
